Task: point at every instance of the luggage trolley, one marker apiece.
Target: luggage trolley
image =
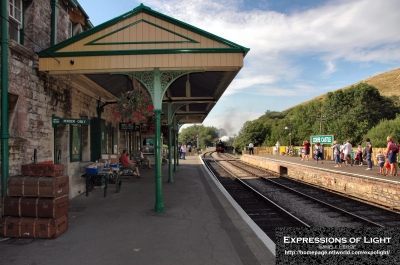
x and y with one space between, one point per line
103 175
116 177
95 177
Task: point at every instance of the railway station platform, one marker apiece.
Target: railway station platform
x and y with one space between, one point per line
199 225
330 165
353 181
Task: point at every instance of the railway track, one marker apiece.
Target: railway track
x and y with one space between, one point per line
362 213
313 206
265 213
250 169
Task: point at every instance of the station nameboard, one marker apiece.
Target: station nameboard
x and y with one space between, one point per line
127 126
323 139
57 120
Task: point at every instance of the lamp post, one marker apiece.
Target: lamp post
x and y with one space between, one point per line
290 131
321 118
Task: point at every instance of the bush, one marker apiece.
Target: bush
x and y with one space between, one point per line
385 128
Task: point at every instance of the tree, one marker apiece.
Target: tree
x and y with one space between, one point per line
207 136
352 112
251 132
379 133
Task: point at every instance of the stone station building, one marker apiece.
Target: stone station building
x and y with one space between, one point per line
60 67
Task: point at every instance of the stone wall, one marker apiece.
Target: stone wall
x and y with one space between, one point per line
377 191
37 25
36 96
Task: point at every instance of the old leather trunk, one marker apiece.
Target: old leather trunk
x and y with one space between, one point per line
27 227
42 170
35 207
50 187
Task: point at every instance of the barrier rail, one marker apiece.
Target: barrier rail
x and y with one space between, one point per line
327 152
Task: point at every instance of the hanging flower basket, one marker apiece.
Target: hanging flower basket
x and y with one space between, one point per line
133 106
149 127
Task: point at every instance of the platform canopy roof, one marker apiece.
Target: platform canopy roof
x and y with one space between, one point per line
107 58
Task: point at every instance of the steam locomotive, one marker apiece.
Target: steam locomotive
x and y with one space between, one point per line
220 146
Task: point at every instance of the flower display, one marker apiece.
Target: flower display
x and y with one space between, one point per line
133 106
149 127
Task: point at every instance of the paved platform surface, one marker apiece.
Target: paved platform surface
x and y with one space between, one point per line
330 165
199 225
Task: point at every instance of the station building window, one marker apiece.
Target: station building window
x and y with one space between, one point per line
79 143
15 19
75 143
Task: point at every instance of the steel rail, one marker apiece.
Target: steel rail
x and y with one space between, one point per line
244 169
324 203
267 171
256 191
270 201
210 170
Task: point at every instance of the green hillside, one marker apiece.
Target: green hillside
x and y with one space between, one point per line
387 83
369 108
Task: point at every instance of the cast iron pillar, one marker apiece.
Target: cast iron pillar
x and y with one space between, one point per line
170 117
157 93
176 159
159 201
157 82
4 99
54 15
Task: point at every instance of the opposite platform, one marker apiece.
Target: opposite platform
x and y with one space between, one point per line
354 181
198 226
329 164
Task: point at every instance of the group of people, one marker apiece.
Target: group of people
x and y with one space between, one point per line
133 165
387 158
318 151
342 153
183 149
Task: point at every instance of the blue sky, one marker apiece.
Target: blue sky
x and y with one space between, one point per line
299 49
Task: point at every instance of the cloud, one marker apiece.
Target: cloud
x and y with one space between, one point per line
330 68
293 56
245 82
338 28
231 120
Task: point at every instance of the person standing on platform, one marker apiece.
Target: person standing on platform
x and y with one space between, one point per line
126 162
336 153
180 151
347 152
381 161
183 149
278 148
306 145
189 148
368 150
392 155
387 166
359 154
251 148
318 152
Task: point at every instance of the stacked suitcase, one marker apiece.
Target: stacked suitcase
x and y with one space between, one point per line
36 205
